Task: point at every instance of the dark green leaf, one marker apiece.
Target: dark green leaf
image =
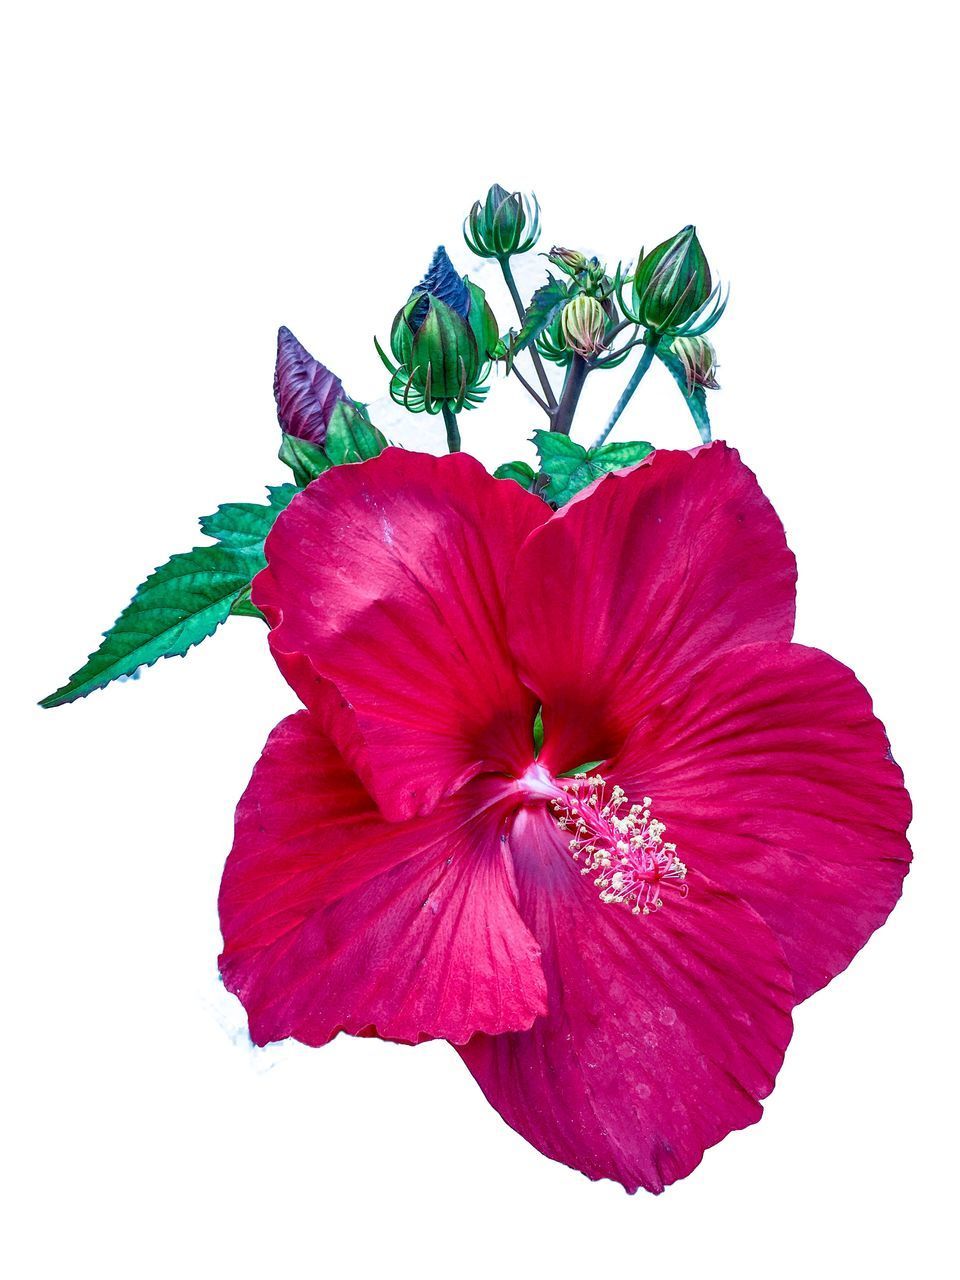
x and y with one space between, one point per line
180 604
545 306
697 402
571 467
522 472
304 458
538 733
352 437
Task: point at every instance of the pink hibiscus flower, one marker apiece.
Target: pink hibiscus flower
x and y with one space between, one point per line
616 961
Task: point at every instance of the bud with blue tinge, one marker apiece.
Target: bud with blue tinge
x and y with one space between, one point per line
506 223
441 338
672 289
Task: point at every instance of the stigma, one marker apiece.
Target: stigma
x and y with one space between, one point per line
620 844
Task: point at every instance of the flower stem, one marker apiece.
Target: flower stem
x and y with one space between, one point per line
453 431
646 360
577 371
550 398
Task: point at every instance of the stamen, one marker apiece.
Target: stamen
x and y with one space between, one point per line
621 847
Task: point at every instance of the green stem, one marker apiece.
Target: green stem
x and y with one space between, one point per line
551 399
453 431
577 371
646 360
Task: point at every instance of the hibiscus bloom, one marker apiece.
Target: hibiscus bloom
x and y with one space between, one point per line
616 961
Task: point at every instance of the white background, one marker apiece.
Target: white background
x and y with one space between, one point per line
184 180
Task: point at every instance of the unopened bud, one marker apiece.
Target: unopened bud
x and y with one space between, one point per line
505 223
569 260
699 362
582 323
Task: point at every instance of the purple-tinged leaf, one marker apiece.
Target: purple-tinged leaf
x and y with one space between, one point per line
306 391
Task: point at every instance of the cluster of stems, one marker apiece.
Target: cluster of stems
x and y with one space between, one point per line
560 410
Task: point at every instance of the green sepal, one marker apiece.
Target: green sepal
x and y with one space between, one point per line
304 458
243 606
352 437
571 467
696 400
522 472
446 358
483 323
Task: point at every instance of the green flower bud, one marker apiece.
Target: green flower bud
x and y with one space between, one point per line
445 360
582 323
672 284
699 362
504 224
569 260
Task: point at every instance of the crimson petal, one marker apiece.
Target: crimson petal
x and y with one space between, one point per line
774 777
388 580
334 920
664 1032
644 577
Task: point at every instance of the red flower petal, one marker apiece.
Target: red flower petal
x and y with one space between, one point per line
335 920
388 578
775 779
663 1032
642 580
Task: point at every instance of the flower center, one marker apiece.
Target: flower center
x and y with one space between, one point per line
620 844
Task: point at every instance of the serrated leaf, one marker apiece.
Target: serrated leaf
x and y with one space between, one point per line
545 306
180 604
696 401
522 472
304 458
246 524
571 467
352 437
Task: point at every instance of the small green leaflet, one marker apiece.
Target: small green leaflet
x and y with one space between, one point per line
522 472
186 599
697 402
304 458
571 467
350 437
545 306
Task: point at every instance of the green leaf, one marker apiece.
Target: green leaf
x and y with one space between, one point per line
352 437
243 606
545 305
304 458
246 524
571 467
180 604
538 733
522 472
696 402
